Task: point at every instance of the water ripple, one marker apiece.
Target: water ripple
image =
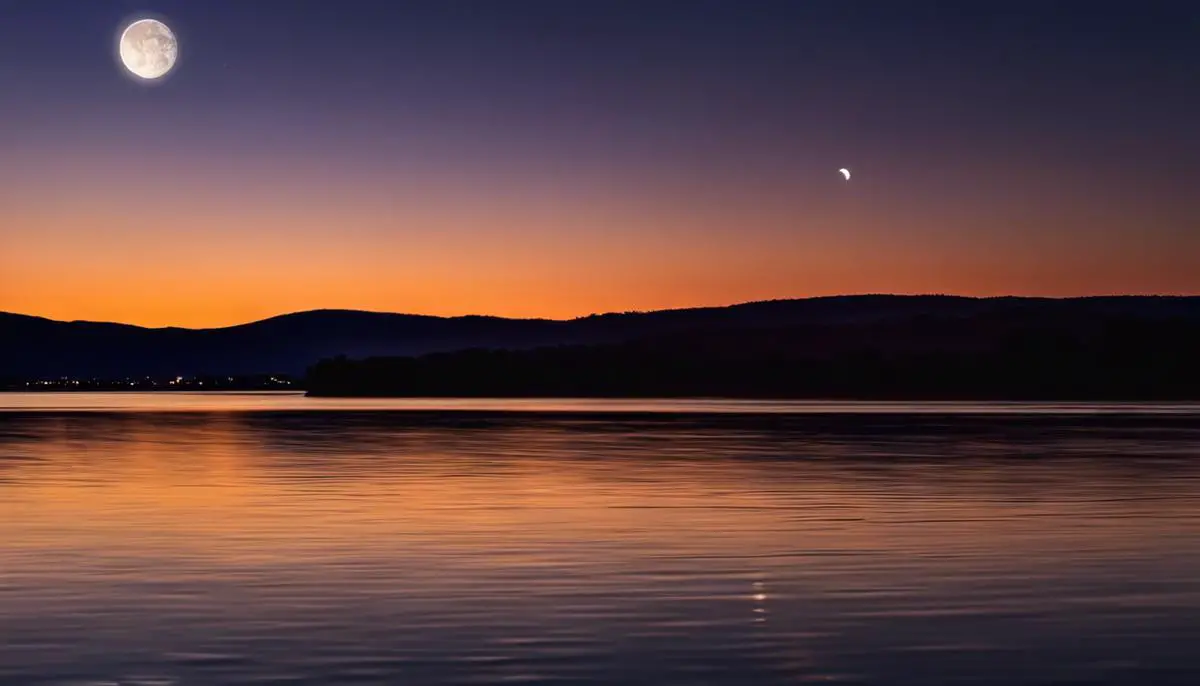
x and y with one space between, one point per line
242 547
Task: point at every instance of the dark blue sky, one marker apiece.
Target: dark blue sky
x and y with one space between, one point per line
997 146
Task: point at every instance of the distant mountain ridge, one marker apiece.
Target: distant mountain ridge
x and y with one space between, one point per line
289 344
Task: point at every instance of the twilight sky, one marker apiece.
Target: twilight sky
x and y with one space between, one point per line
558 158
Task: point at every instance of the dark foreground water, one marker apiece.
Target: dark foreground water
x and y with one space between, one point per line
230 546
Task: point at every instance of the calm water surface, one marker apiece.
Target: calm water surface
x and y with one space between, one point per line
247 539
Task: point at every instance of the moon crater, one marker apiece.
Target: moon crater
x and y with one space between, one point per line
148 49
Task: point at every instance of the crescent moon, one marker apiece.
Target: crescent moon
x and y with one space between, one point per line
845 173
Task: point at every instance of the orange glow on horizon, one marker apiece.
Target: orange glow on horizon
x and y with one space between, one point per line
206 249
158 286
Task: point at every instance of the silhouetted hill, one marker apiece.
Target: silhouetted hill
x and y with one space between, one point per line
1004 353
34 347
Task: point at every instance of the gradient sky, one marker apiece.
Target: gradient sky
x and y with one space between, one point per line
553 158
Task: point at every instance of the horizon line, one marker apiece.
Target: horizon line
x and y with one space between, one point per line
597 314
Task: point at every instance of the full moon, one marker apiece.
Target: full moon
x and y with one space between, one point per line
148 49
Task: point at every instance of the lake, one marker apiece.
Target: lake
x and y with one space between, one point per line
274 539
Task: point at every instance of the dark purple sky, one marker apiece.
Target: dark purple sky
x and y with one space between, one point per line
562 157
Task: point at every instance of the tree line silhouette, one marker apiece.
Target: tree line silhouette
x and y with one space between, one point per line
997 355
